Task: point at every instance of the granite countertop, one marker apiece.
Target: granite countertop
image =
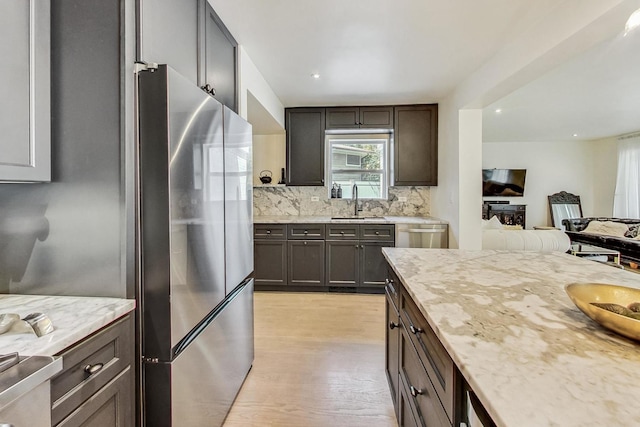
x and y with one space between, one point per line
73 318
530 355
364 219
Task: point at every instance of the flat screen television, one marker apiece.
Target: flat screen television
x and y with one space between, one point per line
503 182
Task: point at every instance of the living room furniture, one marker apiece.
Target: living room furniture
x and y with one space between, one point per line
508 214
564 205
589 251
628 247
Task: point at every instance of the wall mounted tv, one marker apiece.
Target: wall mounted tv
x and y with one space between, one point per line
503 182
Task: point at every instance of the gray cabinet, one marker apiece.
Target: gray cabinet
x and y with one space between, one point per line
270 254
306 262
168 34
354 254
95 386
305 146
217 57
378 117
25 123
392 333
415 153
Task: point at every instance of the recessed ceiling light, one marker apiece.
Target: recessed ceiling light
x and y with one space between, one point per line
315 75
575 134
633 22
498 110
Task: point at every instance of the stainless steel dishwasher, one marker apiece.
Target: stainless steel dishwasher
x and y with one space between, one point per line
422 235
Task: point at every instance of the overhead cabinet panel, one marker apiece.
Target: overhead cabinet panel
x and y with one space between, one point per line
305 145
169 35
416 145
217 57
359 117
25 123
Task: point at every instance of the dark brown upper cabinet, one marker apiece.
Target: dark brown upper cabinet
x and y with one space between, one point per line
305 145
217 57
415 157
359 117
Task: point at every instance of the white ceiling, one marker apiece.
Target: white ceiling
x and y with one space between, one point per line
417 51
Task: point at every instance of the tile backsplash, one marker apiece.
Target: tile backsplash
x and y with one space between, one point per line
281 200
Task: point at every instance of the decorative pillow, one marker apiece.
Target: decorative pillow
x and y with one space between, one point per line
633 232
608 228
492 224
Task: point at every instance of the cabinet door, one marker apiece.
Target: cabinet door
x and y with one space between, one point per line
270 262
376 117
343 118
25 112
305 146
392 349
416 145
169 35
217 57
111 406
306 262
374 266
343 262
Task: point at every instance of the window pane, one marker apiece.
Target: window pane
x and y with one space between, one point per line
369 184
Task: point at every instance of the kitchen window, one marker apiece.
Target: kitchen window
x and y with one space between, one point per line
359 159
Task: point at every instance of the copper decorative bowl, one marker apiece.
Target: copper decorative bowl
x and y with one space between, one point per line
584 294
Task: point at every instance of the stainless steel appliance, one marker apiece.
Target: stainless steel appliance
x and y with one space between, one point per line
196 251
420 235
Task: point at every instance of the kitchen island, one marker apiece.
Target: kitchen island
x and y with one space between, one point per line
531 357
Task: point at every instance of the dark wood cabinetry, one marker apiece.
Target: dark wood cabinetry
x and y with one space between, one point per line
270 254
95 386
415 145
217 57
305 145
321 255
415 152
354 254
359 117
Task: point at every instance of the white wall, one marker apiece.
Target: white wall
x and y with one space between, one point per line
577 167
574 26
252 81
604 170
268 154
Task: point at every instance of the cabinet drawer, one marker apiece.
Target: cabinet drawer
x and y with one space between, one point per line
392 287
435 358
379 232
270 231
418 387
111 348
342 232
305 231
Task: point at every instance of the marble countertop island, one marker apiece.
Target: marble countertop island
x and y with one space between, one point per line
73 318
529 354
290 219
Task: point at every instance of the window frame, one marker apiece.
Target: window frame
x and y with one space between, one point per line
383 138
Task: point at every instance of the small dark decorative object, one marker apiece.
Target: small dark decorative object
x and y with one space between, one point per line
265 177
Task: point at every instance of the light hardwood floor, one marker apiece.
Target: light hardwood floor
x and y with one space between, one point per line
319 361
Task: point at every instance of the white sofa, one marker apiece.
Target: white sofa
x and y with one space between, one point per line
496 236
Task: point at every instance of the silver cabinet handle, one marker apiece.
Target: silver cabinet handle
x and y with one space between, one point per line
306 231
268 231
393 325
415 391
305 243
377 233
415 330
95 368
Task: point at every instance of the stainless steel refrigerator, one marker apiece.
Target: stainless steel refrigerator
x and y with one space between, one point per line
196 251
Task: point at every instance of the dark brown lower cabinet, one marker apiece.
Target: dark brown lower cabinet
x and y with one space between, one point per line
343 262
270 262
95 386
373 270
305 262
392 352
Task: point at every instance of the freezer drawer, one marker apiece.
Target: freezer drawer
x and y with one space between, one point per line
199 386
